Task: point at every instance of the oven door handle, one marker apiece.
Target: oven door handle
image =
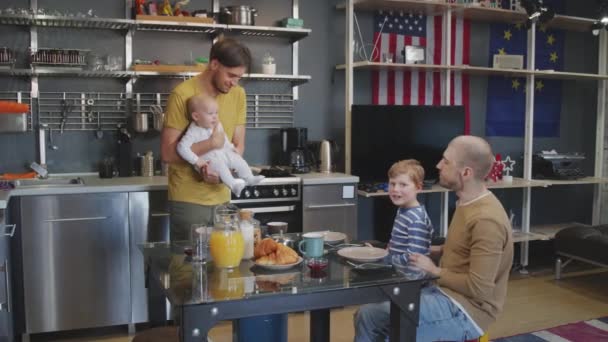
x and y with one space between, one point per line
278 209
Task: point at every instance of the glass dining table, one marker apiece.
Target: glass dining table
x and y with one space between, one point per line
202 294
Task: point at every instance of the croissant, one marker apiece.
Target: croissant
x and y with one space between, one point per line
265 247
269 252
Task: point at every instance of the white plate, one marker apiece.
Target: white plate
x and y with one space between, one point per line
363 254
332 237
280 267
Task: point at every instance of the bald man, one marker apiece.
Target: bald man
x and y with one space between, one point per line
475 260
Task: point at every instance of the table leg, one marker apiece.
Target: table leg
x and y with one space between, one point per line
405 302
319 325
196 322
157 309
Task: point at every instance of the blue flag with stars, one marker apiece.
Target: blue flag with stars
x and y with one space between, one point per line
506 101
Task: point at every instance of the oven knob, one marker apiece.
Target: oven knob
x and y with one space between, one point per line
284 192
247 193
294 192
256 193
275 192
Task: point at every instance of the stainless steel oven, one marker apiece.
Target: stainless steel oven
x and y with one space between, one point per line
274 199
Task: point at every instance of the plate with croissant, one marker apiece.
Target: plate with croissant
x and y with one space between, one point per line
272 255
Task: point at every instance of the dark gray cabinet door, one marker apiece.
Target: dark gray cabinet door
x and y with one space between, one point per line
75 261
330 207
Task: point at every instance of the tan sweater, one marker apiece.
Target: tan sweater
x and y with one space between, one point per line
477 258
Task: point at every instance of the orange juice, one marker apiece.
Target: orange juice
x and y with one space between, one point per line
227 248
226 284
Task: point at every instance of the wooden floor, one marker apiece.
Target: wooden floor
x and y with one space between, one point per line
534 302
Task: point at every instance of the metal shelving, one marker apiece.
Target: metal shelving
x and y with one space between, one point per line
294 34
175 26
84 23
490 15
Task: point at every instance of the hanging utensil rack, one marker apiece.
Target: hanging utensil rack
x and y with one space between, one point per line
82 111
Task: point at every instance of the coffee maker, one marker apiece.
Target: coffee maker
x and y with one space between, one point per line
294 151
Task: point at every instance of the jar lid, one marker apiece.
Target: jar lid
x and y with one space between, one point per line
245 214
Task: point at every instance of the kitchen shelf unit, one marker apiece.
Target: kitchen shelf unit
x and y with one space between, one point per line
485 14
293 34
130 27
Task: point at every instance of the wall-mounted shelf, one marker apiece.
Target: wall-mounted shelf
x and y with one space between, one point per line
294 34
85 23
58 72
476 70
366 65
476 13
295 80
542 232
586 180
177 26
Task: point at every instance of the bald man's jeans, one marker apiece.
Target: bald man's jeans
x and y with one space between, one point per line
440 320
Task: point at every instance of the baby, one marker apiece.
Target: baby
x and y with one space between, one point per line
203 110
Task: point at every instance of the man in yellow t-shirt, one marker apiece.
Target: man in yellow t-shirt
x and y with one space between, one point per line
193 194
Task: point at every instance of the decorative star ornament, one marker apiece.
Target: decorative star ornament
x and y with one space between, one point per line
508 165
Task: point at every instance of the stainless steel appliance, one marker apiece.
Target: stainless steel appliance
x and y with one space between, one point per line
6 308
274 199
330 207
294 150
148 222
75 262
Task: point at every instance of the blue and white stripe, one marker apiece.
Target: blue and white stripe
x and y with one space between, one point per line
412 232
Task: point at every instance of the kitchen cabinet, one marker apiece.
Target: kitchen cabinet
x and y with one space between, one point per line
330 207
6 232
148 222
74 253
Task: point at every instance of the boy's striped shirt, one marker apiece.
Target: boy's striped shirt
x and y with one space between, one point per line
412 231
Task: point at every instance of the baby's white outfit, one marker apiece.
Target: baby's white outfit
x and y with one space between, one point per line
221 159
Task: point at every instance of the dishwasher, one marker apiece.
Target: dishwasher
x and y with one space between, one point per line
75 261
330 207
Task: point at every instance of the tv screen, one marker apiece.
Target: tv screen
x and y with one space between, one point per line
382 135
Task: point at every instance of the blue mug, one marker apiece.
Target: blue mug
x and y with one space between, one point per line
313 245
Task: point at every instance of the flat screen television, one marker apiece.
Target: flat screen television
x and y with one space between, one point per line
382 135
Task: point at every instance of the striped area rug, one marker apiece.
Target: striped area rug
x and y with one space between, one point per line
595 330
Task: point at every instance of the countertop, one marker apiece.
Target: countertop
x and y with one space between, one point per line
317 178
94 184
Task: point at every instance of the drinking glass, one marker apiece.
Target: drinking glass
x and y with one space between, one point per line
199 238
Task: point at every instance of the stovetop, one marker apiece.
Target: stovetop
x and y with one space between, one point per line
279 184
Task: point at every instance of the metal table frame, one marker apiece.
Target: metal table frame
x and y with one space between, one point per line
196 320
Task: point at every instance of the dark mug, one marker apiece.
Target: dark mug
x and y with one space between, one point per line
107 170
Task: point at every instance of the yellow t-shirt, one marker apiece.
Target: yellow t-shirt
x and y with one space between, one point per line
185 184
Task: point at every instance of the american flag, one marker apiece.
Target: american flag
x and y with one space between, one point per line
393 31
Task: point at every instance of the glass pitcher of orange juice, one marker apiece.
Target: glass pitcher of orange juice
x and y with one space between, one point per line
226 243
